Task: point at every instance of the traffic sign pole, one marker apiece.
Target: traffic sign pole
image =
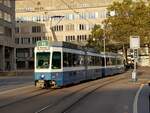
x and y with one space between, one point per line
135 45
134 73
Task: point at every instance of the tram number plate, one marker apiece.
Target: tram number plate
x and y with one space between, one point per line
40 81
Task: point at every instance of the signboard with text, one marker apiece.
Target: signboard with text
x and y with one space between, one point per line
134 42
42 45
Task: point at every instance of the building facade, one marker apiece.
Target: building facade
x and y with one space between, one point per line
54 20
7 25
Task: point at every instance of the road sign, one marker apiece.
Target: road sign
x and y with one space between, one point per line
134 42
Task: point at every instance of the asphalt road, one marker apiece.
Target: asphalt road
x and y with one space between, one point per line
117 94
13 82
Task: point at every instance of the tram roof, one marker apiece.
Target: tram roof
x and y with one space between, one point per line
72 46
66 45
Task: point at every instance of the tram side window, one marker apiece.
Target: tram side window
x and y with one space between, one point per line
107 61
98 61
81 60
113 61
89 60
103 61
119 61
72 60
65 60
75 60
56 60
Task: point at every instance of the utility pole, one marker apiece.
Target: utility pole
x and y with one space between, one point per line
135 45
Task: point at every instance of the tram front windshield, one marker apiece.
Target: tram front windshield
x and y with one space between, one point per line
43 60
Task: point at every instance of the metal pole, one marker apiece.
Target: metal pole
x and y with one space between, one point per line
51 28
105 52
134 77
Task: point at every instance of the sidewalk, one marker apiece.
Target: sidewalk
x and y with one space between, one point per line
17 73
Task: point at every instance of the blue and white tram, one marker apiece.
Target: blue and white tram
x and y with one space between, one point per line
94 65
58 65
62 63
114 64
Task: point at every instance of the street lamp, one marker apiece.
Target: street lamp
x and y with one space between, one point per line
104 50
112 13
104 44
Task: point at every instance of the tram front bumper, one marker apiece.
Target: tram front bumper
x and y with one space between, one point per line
40 83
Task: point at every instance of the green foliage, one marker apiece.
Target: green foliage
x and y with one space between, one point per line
130 19
96 39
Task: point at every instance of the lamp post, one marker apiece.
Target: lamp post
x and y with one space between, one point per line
104 44
104 51
112 13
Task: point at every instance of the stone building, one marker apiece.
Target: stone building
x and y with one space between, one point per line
54 20
7 25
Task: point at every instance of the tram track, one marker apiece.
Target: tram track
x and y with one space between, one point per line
87 94
36 95
75 89
26 98
66 99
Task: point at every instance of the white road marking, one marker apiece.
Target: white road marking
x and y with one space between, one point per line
43 109
135 104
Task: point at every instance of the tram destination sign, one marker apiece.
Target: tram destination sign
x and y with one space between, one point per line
43 43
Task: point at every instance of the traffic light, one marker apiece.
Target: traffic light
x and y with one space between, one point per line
135 53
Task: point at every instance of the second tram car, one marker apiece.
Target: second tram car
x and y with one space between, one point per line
61 63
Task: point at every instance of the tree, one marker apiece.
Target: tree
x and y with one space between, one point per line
130 19
96 39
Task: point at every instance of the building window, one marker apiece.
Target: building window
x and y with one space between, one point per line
70 38
7 3
36 29
1 30
82 37
17 30
70 16
7 17
58 28
82 26
83 15
102 14
35 39
17 40
70 27
1 14
22 52
25 40
89 27
92 15
8 31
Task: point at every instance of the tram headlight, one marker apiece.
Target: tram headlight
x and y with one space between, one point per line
42 76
